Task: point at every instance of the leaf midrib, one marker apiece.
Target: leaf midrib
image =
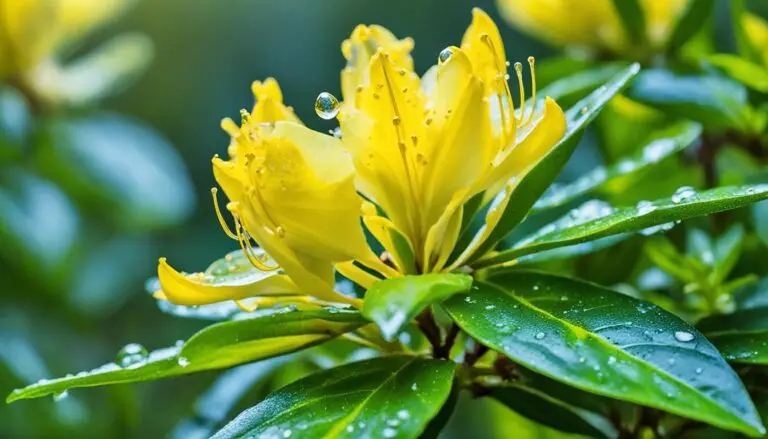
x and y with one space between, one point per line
611 347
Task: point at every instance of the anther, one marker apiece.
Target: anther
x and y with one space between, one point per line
521 86
532 64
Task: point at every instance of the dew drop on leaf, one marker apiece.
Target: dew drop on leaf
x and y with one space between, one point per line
683 336
183 362
61 396
131 354
684 193
540 335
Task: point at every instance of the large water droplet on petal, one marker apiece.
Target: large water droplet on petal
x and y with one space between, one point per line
445 55
326 105
131 354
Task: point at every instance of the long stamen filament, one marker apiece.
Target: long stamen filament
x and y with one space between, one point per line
505 97
222 222
532 64
245 246
521 86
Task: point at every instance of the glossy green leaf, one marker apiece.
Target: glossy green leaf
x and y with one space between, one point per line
742 337
546 410
717 102
393 303
535 182
685 203
632 18
748 73
661 145
760 215
217 346
568 89
692 20
607 343
39 225
391 397
121 167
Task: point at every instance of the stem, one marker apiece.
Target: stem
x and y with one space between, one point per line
450 339
471 356
427 325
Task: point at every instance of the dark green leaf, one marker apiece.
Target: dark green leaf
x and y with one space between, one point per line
717 102
393 303
540 177
392 397
217 346
661 145
546 410
569 89
632 17
604 342
748 73
760 215
693 19
742 337
122 166
685 203
39 226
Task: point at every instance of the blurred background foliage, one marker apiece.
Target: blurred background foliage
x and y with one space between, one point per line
105 145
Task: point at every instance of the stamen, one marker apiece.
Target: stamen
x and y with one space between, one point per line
505 97
531 63
245 246
224 226
519 72
245 116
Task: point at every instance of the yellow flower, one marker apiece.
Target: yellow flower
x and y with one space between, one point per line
756 30
33 30
590 23
412 152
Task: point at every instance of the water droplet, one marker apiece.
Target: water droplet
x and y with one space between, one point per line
684 193
183 362
584 110
350 428
683 336
645 207
131 354
326 106
540 335
403 414
699 370
564 298
287 434
582 360
389 432
414 387
336 132
490 307
393 422
61 396
445 55
469 300
611 359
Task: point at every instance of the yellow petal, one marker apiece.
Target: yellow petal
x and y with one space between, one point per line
356 274
269 107
483 45
442 236
195 289
532 145
394 241
460 145
361 46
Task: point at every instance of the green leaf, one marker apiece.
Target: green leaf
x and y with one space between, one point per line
727 250
541 176
393 303
661 145
632 17
568 89
607 343
392 397
39 226
685 203
262 335
742 337
546 410
748 73
716 102
120 167
15 123
690 23
760 215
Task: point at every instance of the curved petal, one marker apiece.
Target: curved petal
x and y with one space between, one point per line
201 289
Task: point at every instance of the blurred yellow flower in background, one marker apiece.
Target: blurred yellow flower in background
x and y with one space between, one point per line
35 35
756 31
413 151
590 23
